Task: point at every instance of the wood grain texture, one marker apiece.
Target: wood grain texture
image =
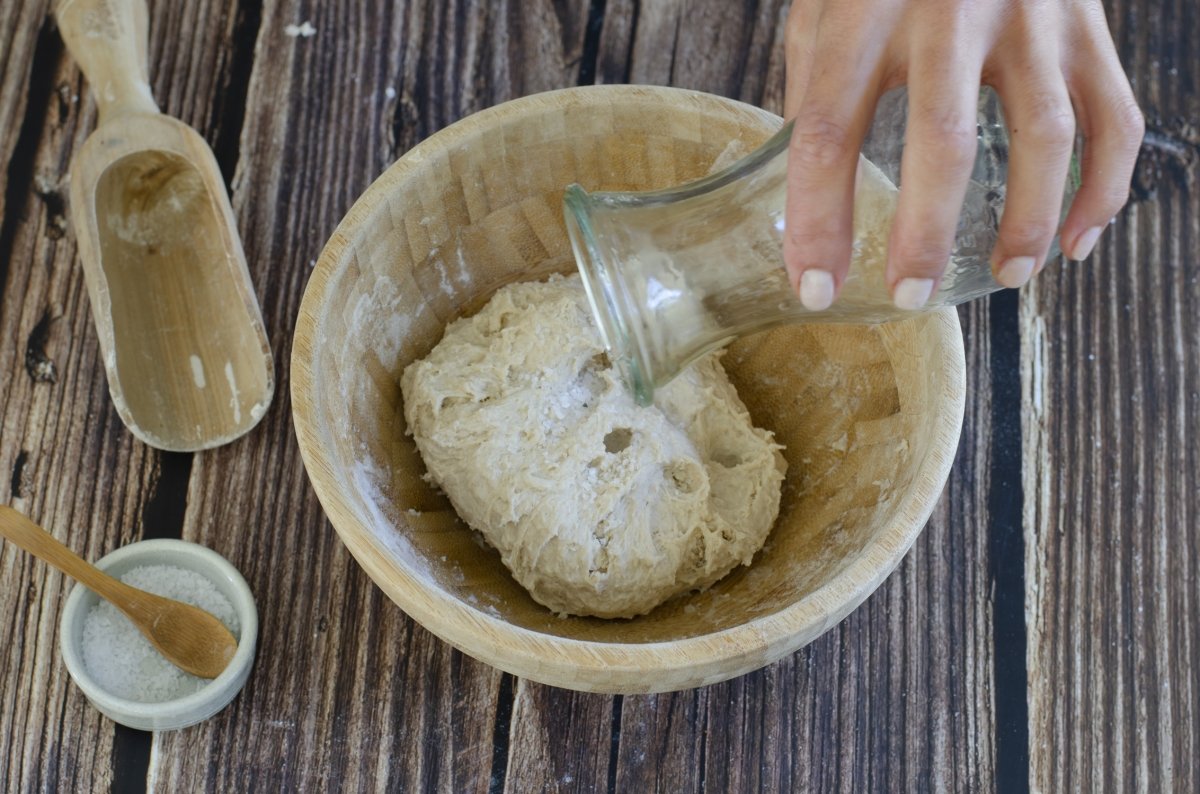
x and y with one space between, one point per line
1111 400
559 740
250 502
24 30
361 696
913 691
898 696
52 417
731 49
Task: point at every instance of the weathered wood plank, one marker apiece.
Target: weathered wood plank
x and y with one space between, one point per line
905 694
65 457
348 690
560 740
1111 380
899 696
731 49
451 61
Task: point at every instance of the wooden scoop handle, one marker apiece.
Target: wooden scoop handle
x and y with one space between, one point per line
41 544
108 40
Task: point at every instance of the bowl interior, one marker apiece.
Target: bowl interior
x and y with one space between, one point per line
860 409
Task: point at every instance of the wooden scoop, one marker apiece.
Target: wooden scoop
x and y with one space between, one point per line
187 636
187 359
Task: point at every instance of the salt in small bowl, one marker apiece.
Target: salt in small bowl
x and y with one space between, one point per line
189 709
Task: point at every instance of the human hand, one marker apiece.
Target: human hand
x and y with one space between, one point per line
1041 56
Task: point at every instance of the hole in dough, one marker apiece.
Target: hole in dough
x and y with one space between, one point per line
450 402
730 460
618 439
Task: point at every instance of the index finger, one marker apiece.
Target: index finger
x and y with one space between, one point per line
939 152
822 161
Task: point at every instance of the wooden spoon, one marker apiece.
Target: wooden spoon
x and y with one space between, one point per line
187 636
187 359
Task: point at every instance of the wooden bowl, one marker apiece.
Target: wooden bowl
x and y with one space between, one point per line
870 415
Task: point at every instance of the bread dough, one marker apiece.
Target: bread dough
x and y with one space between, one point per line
597 506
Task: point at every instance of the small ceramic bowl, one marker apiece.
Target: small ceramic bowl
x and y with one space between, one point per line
198 706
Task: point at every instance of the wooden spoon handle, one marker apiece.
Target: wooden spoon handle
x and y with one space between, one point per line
41 544
108 40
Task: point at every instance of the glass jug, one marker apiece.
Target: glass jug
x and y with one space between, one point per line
674 274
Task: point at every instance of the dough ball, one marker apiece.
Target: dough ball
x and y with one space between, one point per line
597 506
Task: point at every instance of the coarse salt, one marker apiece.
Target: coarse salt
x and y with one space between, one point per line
123 661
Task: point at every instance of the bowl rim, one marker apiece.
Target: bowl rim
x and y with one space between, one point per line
191 708
590 665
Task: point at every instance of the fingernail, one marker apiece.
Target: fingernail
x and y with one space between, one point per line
816 290
1015 272
1084 244
912 293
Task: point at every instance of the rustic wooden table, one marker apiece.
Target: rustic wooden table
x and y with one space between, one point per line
1043 634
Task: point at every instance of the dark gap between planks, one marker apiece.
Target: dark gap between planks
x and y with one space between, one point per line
614 745
164 511
500 735
590 57
46 53
1006 547
232 111
17 487
130 759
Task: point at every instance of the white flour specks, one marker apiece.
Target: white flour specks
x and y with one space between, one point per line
1038 365
303 30
382 321
257 410
443 277
197 371
233 393
366 476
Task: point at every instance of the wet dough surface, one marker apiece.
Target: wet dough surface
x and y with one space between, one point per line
597 506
